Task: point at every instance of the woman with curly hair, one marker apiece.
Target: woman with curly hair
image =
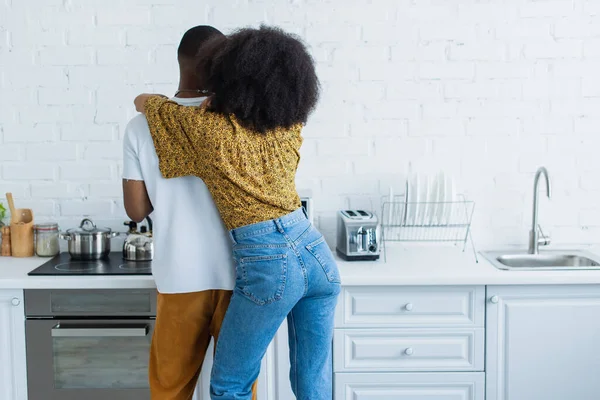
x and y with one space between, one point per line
244 142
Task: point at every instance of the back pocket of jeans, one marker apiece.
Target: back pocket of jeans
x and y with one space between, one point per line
322 254
262 278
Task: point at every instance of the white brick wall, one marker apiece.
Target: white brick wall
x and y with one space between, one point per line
486 90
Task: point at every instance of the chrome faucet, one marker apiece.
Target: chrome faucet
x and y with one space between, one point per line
536 236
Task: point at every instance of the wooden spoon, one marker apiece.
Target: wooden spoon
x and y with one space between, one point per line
11 206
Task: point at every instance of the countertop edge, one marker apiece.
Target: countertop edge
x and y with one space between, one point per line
406 266
474 282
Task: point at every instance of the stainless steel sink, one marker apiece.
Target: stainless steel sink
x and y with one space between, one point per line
532 259
550 260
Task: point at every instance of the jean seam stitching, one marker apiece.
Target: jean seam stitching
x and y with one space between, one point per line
255 233
316 242
271 257
266 229
292 222
278 294
296 251
303 235
295 354
239 247
331 277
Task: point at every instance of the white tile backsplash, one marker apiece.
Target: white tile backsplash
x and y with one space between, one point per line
487 91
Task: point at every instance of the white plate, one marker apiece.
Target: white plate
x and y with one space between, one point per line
413 196
432 217
449 195
390 216
441 207
405 209
424 206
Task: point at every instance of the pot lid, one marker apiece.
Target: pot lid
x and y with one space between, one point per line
138 240
48 226
87 227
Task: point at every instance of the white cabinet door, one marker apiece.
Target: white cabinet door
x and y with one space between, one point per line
13 372
410 386
543 342
273 381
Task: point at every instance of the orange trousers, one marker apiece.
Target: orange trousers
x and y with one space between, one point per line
185 322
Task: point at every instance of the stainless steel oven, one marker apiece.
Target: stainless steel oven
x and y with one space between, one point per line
89 344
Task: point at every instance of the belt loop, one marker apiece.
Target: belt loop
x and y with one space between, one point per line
279 225
232 237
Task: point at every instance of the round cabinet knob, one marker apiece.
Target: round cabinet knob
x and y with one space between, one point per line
408 307
409 351
15 301
494 299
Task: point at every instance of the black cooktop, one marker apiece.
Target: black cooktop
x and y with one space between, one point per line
114 264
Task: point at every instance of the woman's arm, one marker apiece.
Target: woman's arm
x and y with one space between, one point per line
180 135
207 102
140 101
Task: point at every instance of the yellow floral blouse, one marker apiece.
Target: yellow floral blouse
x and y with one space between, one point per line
251 176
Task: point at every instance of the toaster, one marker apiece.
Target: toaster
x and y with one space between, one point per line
357 235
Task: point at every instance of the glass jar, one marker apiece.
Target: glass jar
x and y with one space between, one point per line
46 240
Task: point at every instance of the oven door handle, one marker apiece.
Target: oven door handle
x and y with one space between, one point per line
82 331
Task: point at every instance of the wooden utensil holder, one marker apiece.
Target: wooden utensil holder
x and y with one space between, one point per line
21 235
5 249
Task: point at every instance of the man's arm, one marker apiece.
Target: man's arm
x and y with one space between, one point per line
137 202
135 196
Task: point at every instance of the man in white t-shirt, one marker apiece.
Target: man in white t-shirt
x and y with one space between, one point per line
192 266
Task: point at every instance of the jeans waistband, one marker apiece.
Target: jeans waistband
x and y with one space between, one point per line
272 225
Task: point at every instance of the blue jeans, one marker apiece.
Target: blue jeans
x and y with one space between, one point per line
284 268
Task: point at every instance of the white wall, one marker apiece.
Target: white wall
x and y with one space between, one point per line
488 90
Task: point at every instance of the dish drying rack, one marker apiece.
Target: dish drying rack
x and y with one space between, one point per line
450 222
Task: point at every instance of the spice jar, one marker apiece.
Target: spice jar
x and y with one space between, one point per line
46 240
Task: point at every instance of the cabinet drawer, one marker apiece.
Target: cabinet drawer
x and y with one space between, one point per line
441 386
411 306
397 350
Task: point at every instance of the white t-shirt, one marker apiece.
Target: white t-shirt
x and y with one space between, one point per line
192 251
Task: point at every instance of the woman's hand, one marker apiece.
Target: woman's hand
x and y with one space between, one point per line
140 101
207 102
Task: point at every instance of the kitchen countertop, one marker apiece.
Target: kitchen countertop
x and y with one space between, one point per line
446 265
13 275
406 265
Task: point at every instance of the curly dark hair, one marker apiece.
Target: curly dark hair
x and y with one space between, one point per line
264 76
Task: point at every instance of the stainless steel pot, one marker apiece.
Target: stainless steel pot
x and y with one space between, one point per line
88 242
139 246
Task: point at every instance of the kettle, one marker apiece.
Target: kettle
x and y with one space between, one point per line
138 245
